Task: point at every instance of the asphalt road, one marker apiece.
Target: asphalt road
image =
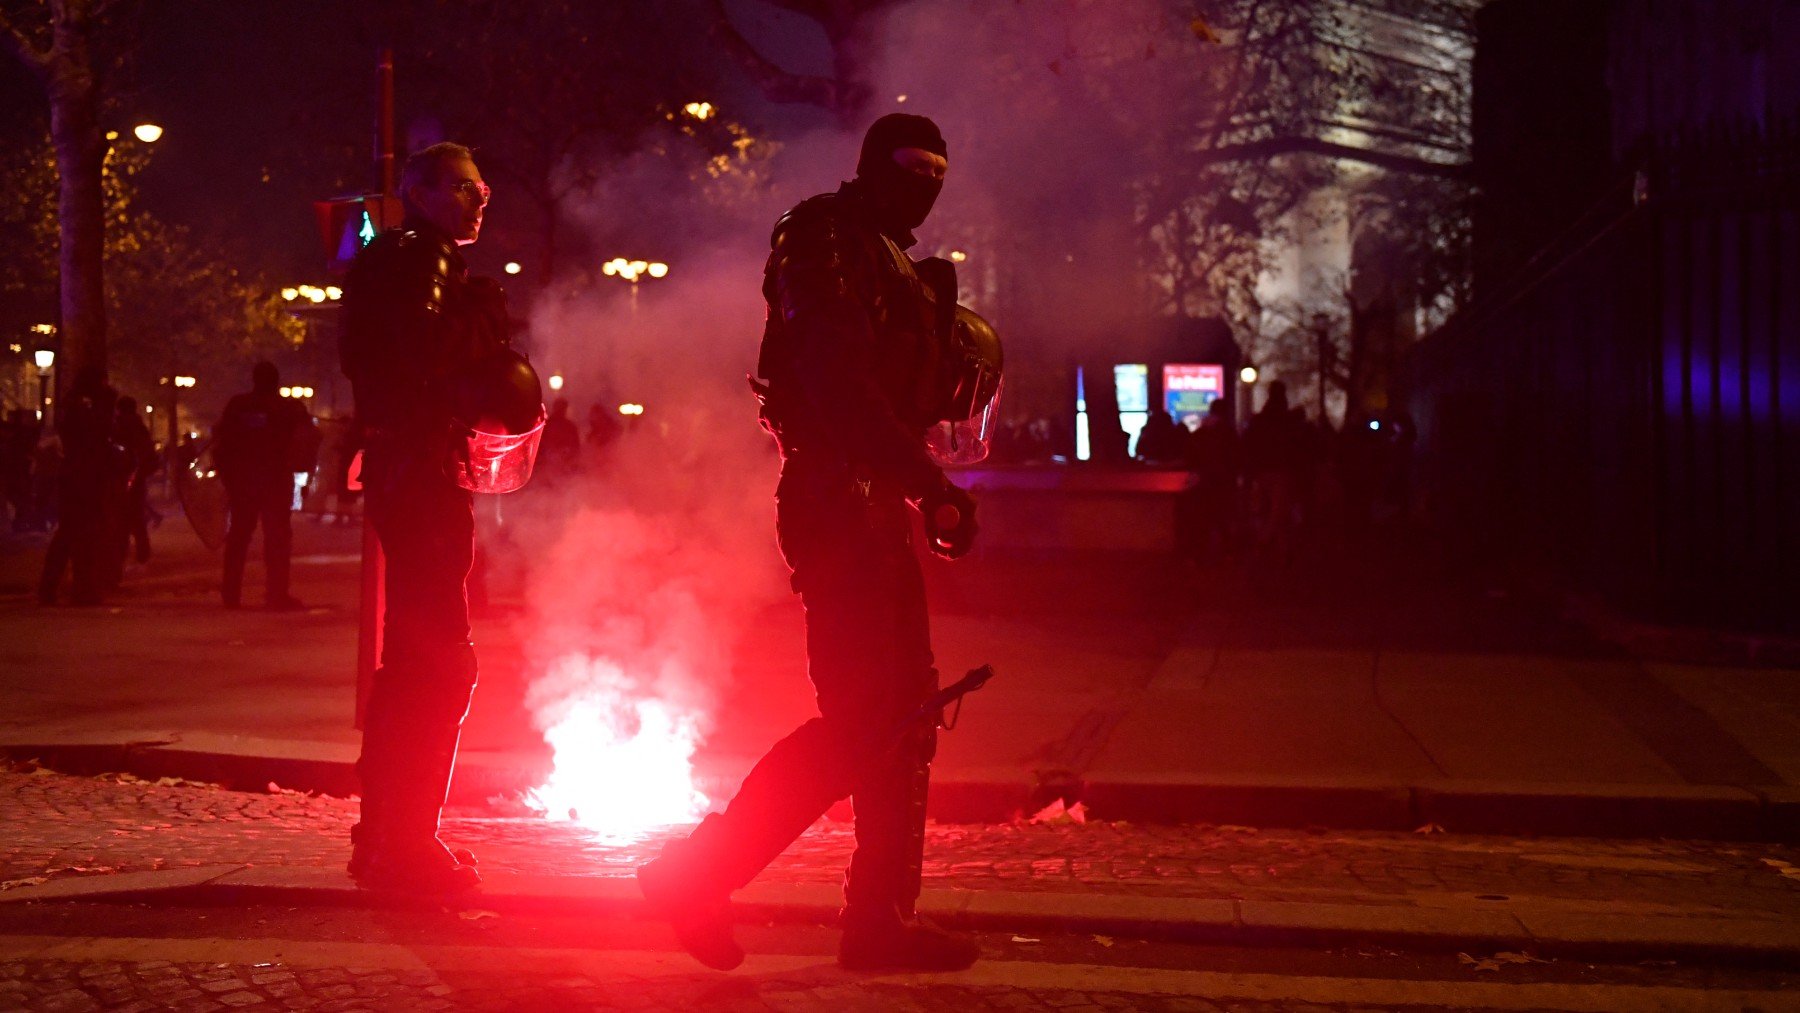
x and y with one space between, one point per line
131 957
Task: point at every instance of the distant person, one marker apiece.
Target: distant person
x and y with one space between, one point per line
252 450
133 437
1205 509
559 452
1277 445
46 476
603 430
17 447
1108 441
1159 442
90 464
337 451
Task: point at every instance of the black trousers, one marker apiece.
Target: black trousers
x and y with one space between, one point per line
250 505
869 655
421 691
78 545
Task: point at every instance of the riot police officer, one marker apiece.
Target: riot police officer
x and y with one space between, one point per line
252 450
851 359
414 320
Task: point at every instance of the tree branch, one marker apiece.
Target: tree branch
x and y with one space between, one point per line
1271 146
778 85
38 61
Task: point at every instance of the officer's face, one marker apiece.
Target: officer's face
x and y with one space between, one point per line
454 203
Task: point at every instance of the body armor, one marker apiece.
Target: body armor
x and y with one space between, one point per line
427 354
930 360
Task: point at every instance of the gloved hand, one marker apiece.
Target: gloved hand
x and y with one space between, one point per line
950 526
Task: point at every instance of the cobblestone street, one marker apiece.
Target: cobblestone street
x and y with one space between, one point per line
61 826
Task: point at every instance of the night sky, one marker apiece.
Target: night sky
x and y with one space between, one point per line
269 107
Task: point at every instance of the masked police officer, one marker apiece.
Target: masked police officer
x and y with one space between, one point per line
850 355
414 320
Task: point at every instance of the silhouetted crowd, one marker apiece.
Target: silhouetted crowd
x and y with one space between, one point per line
1286 486
1283 486
87 477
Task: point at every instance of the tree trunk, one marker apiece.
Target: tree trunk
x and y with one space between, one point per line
80 159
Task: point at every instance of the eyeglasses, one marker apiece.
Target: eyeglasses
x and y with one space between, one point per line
473 190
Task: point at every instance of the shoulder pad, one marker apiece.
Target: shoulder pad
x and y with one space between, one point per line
825 212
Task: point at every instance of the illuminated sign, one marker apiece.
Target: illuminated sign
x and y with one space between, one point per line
1188 388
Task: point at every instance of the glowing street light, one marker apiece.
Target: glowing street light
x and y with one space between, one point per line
184 381
630 408
632 270
43 358
556 381
1247 377
699 110
312 293
149 133
958 256
512 267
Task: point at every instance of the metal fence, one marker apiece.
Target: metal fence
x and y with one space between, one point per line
1626 414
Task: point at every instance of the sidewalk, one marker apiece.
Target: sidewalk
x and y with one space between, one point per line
125 839
1367 703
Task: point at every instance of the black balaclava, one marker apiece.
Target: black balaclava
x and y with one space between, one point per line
902 197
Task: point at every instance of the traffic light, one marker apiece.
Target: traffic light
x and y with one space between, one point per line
347 224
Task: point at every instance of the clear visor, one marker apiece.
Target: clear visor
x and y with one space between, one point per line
494 462
965 441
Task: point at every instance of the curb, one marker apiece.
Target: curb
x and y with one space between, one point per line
1711 812
1545 930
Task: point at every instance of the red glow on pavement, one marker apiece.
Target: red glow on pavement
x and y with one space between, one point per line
623 758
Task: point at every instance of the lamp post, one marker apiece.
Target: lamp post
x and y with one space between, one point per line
1321 327
1247 378
43 359
171 448
632 271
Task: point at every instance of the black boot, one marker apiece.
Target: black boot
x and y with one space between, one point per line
410 867
409 750
700 913
883 940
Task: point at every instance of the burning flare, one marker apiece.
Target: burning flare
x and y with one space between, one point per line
623 758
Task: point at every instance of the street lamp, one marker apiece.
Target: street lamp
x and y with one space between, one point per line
149 133
1247 378
175 384
512 267
1321 327
43 359
312 293
632 271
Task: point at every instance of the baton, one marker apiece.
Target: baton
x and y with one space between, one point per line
934 705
